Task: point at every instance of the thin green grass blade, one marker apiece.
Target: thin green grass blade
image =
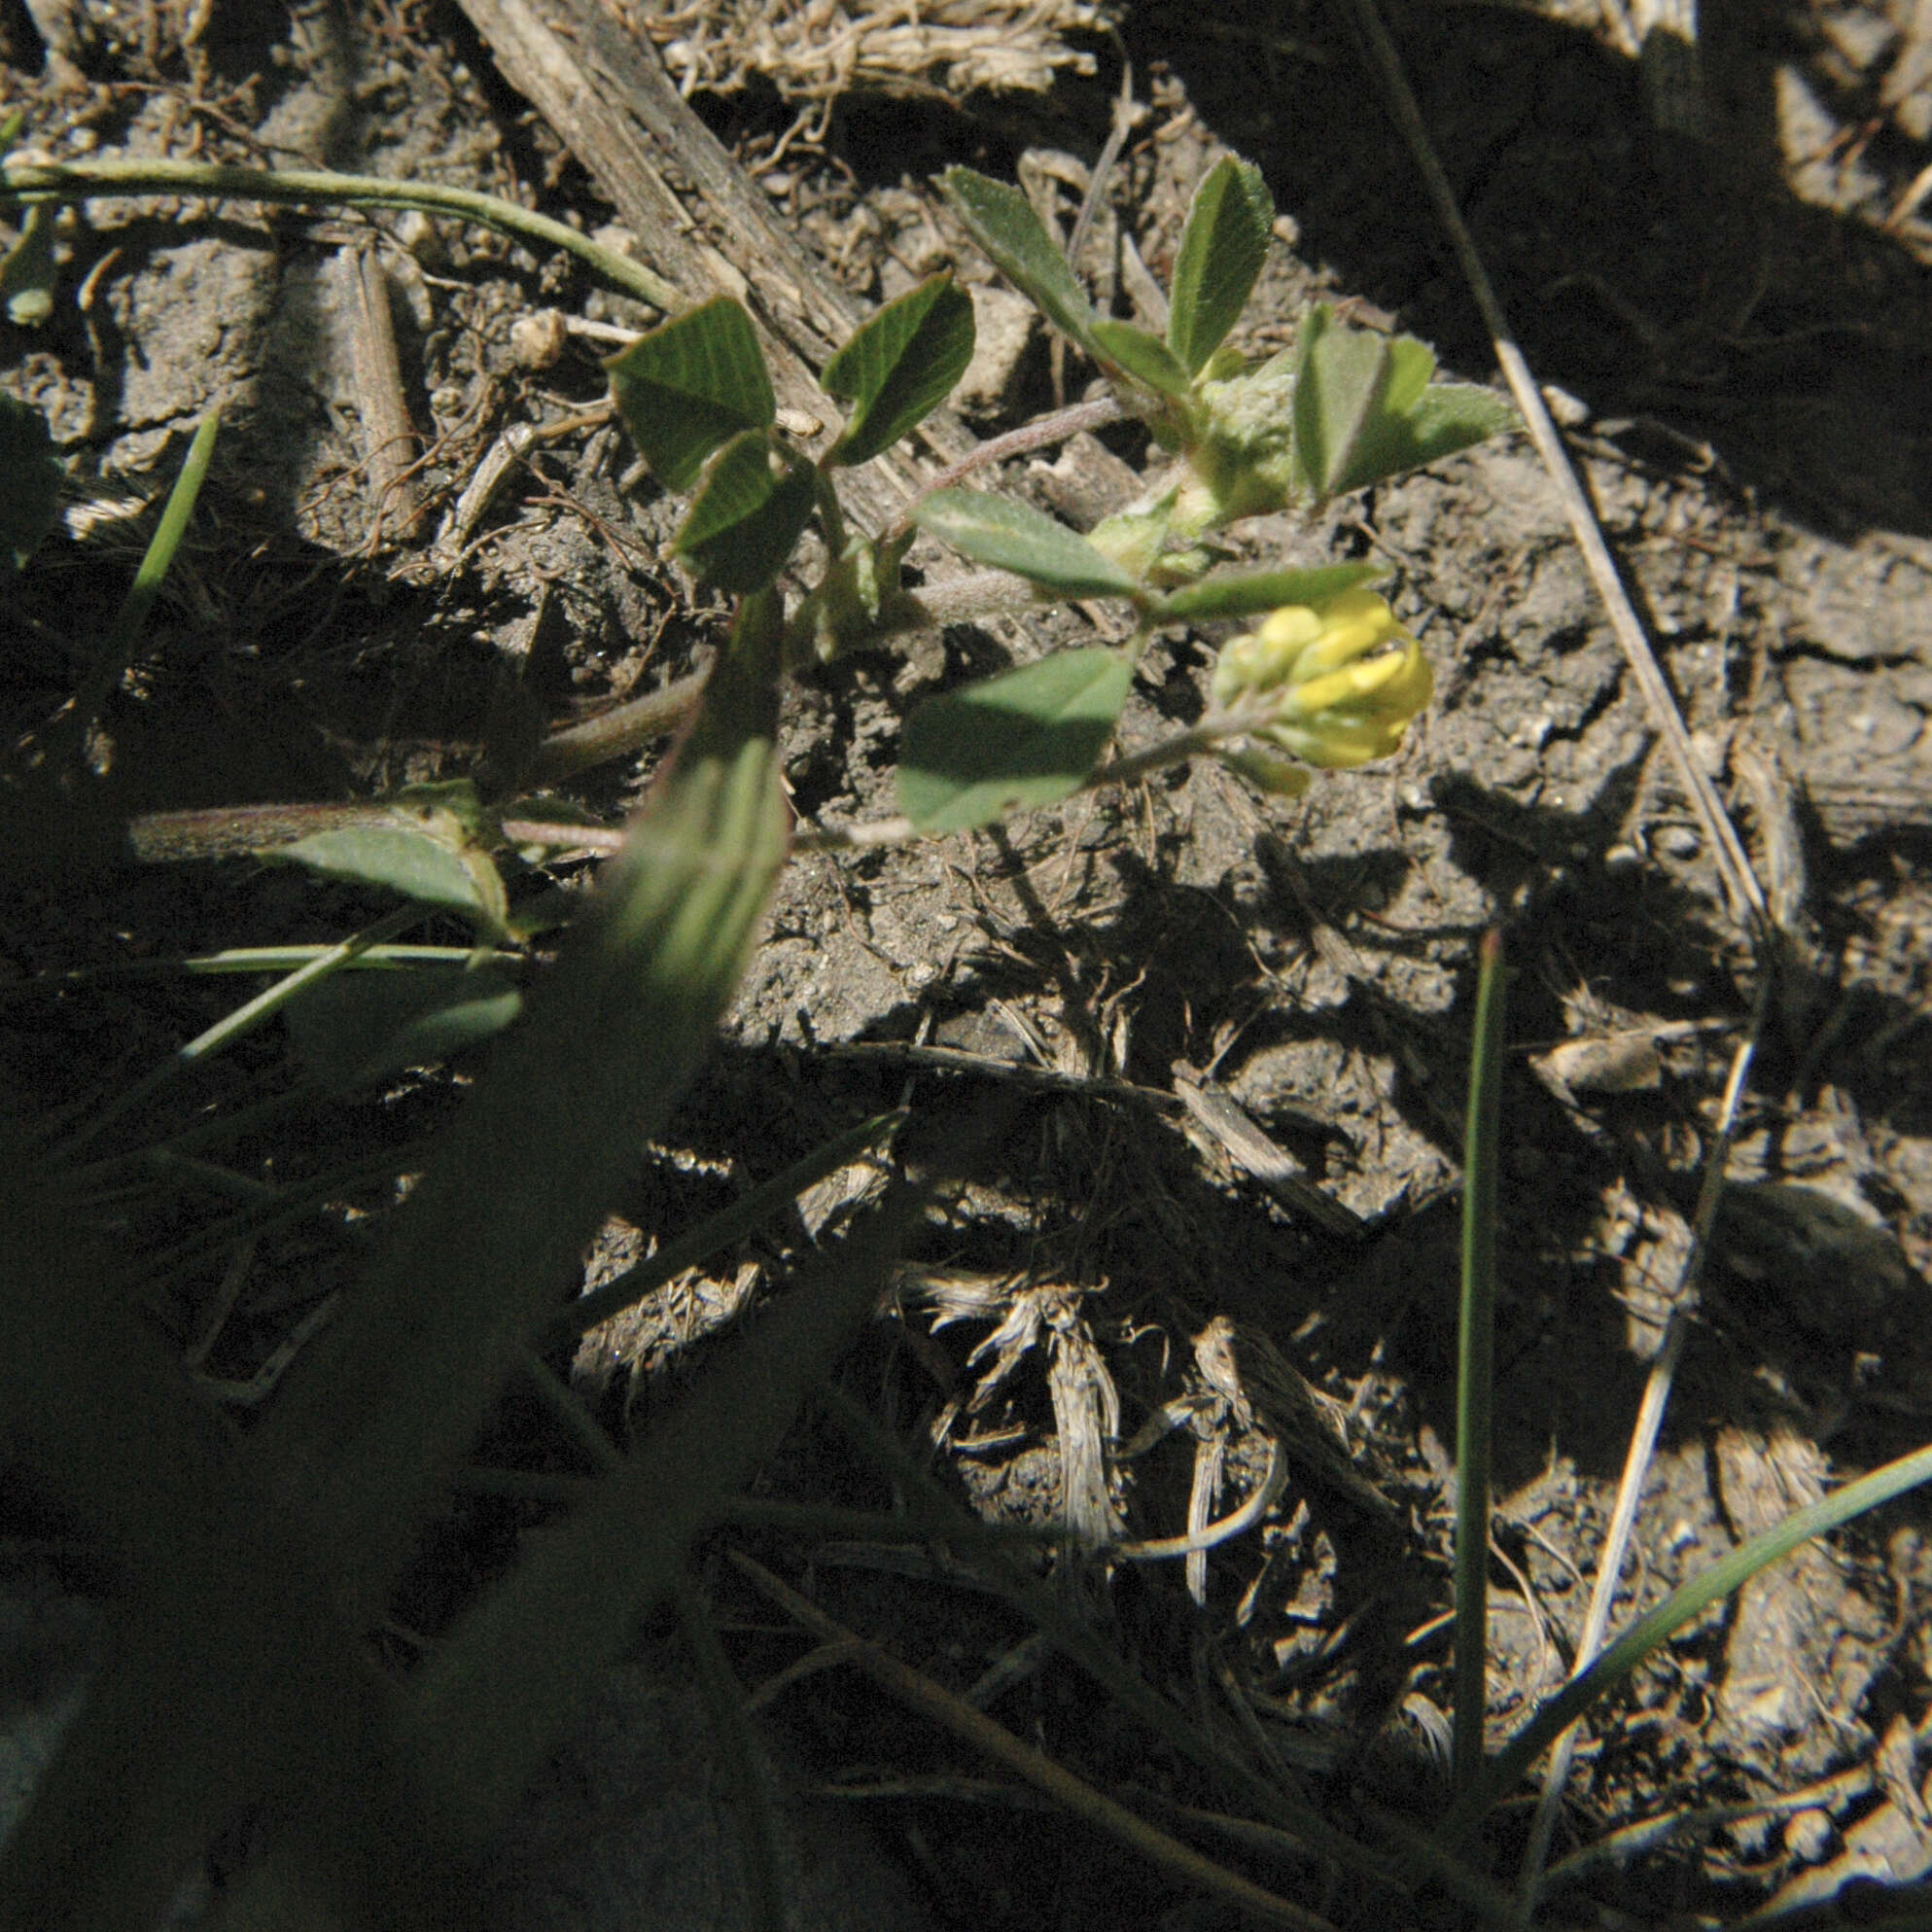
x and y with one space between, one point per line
1475 1367
285 1207
1487 1901
744 1217
747 1790
222 1129
1684 1605
519 1669
263 959
116 648
232 1025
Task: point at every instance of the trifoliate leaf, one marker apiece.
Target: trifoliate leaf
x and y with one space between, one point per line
689 386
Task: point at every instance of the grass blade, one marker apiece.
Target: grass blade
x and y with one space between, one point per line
933 1512
231 1027
520 1667
1074 1795
1475 1367
1684 1605
116 648
227 1669
744 1217
392 1397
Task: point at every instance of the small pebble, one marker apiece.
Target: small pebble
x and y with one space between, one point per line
1567 410
421 237
537 340
1808 1834
1678 842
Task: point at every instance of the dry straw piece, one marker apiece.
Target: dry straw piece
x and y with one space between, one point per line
814 50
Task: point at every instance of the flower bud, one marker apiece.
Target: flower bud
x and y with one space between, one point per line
1334 684
1267 770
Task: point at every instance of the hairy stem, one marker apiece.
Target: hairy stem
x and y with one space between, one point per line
1036 434
85 180
624 727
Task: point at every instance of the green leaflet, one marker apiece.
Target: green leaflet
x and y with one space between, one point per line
744 521
1364 407
1221 252
1002 221
1254 591
1144 357
691 385
900 366
1012 742
1010 535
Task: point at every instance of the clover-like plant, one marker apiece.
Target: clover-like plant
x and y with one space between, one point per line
1327 679
1330 679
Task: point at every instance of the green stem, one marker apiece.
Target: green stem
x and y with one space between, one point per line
1475 1372
1037 434
97 177
1213 730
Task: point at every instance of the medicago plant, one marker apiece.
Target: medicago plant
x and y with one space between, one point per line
258 1561
1330 679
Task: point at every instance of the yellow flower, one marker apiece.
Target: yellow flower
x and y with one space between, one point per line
1335 684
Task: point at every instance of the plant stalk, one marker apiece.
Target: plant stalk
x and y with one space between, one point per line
22 175
1475 1375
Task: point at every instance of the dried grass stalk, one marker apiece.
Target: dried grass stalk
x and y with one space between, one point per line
814 50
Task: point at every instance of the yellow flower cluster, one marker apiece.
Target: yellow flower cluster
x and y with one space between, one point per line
1336 682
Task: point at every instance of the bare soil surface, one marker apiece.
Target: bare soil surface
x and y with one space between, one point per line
1143 988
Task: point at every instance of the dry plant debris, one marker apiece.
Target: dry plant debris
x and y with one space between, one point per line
820 50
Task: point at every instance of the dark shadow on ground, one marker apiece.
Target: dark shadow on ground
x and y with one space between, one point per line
1647 273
